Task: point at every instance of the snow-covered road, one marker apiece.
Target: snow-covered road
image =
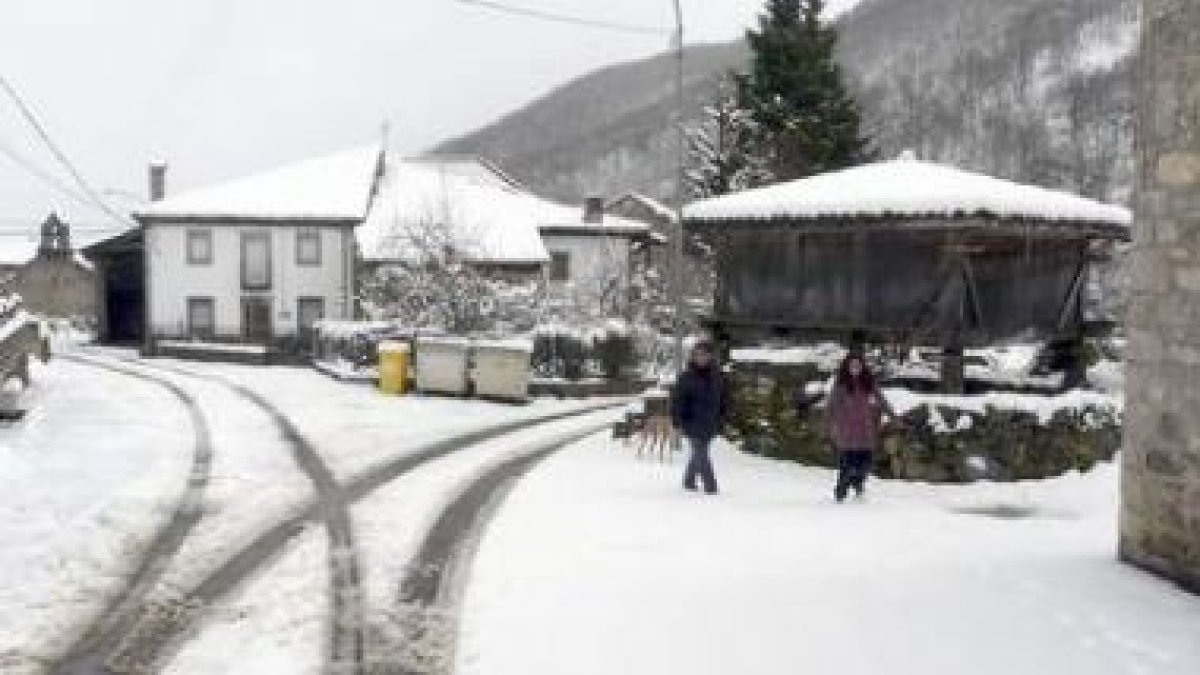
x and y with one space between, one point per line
600 563
596 562
291 451
85 481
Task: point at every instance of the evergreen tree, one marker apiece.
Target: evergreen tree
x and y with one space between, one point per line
724 151
795 92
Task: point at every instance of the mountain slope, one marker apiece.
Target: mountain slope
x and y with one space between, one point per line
605 131
1034 90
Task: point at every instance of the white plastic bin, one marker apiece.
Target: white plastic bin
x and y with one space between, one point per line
502 369
442 365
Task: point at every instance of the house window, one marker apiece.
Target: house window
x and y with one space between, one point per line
308 248
560 266
201 318
199 247
256 261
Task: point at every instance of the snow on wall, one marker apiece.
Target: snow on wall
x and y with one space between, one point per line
173 280
905 187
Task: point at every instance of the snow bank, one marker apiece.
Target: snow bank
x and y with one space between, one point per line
825 356
1044 407
905 188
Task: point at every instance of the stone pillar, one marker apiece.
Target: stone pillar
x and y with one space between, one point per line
1160 487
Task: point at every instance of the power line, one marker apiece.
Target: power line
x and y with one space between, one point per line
564 18
33 121
35 171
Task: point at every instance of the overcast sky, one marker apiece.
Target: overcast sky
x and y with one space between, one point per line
220 88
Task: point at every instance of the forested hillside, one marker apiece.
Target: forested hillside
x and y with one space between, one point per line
1036 90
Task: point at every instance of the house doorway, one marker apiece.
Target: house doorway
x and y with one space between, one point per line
256 320
120 287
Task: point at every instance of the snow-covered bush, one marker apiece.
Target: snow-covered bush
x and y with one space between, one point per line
351 346
559 352
615 351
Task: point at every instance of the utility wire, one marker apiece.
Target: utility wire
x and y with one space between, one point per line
36 171
33 121
567 19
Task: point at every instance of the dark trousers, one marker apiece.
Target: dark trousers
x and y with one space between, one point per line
853 468
700 464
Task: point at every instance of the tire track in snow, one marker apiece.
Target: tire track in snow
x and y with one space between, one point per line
419 639
156 630
345 627
104 635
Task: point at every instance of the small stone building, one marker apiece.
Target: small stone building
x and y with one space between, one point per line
49 276
1160 511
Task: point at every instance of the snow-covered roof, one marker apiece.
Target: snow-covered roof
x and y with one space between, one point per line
333 187
650 205
489 218
484 217
906 188
572 222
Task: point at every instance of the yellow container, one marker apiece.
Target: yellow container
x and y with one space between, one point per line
393 367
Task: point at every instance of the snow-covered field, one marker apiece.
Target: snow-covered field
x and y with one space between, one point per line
599 563
84 481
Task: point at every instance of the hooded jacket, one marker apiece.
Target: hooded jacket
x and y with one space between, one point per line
700 402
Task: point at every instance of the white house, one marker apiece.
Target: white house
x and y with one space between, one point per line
259 259
498 225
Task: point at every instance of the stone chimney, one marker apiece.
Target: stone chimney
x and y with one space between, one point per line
593 210
158 181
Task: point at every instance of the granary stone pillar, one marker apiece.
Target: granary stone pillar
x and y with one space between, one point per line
1160 492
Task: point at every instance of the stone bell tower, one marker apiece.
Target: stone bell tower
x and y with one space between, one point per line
55 239
1160 491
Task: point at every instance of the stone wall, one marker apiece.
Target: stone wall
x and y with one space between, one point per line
1160 514
939 442
57 287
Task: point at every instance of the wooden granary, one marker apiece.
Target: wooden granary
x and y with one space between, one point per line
906 252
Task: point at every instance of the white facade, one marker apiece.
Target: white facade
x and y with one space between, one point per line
173 280
597 265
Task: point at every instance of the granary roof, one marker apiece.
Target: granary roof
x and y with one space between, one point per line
906 188
335 187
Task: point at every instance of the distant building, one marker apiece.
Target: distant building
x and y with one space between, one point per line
498 226
47 273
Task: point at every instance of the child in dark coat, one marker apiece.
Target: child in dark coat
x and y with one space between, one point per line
698 411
